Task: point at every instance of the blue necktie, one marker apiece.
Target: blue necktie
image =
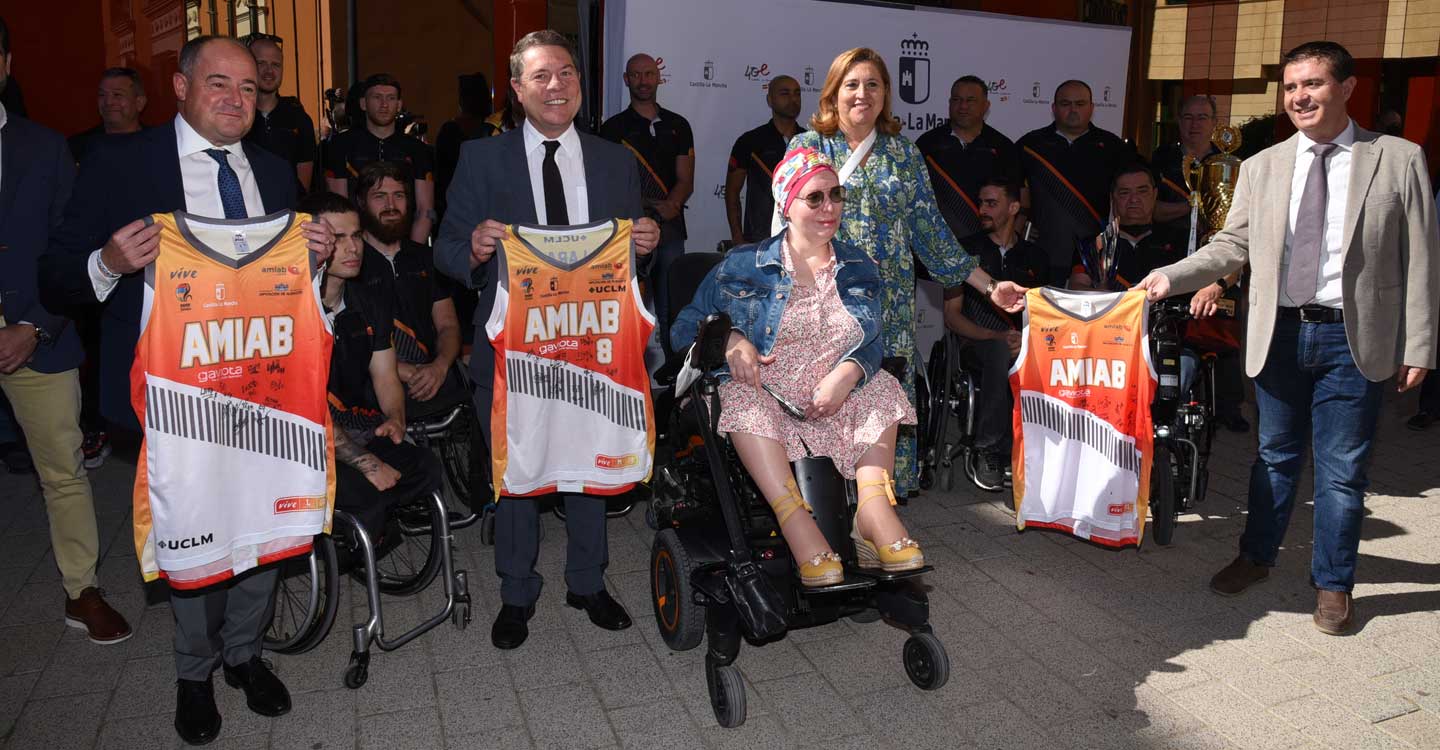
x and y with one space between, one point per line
230 196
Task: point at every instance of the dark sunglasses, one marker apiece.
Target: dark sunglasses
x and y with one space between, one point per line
816 199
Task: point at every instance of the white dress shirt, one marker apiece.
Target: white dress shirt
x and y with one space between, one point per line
1337 181
199 174
572 173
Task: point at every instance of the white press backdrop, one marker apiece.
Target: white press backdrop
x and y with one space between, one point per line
718 56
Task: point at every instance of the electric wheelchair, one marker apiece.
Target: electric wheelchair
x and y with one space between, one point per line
720 570
1184 423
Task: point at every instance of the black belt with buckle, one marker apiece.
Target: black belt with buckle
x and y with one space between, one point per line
1313 314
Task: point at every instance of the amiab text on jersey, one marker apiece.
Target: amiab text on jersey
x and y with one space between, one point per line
572 409
1082 384
237 464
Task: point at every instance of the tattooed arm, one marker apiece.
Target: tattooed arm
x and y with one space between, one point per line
354 455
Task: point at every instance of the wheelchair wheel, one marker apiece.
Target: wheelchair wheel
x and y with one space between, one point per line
681 620
937 406
467 464
926 663
305 600
727 694
411 552
1163 491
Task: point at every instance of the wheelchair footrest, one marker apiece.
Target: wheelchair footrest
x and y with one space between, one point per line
852 582
881 576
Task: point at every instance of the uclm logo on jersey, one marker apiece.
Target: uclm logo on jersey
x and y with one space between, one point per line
914 70
190 543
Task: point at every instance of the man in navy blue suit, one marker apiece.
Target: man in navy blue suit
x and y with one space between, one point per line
40 356
544 172
98 255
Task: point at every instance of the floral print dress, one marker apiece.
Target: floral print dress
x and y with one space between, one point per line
815 332
890 212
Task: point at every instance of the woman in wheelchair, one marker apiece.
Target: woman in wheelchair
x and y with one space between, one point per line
804 371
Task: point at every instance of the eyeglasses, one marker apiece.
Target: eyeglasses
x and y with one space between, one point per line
817 198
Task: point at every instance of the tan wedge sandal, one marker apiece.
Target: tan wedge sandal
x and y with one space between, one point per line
901 555
824 569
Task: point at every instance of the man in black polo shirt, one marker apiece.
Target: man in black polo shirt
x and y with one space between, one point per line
426 333
1067 166
965 153
1197 124
665 147
381 140
121 99
375 467
281 125
753 160
1143 246
994 334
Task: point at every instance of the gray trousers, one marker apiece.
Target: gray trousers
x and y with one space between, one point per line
517 537
227 620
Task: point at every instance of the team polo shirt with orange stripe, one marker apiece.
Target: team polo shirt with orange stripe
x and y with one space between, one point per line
417 287
1070 184
1082 384
757 152
237 464
958 170
571 410
656 144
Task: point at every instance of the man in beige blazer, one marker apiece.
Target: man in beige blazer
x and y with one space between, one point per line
1338 226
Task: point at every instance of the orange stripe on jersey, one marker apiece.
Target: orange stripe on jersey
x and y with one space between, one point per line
1083 436
237 464
572 409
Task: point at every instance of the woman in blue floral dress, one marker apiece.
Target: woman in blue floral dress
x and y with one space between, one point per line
890 212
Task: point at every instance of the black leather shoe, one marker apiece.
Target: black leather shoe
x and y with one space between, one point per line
1420 422
265 694
510 628
197 721
602 608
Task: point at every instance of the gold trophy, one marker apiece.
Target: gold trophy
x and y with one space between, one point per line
1212 184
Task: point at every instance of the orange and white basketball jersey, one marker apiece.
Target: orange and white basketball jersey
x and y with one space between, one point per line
1082 386
237 465
572 408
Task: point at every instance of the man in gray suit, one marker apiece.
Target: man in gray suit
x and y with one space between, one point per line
1338 226
544 172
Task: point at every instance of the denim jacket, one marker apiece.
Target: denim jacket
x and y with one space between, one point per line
751 285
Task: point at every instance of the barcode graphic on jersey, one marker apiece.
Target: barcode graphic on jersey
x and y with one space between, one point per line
1082 426
552 380
221 420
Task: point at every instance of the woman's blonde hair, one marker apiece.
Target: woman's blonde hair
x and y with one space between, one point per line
826 120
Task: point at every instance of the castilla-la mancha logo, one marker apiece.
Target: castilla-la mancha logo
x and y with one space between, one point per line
914 70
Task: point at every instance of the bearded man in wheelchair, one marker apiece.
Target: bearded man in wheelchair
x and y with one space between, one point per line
376 469
803 372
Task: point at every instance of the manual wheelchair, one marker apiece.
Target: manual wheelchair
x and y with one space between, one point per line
416 545
719 544
946 400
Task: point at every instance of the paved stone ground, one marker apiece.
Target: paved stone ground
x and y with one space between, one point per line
1054 643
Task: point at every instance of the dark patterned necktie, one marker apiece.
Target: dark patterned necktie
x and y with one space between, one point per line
230 196
1307 246
555 211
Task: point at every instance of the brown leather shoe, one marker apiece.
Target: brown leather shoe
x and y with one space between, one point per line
90 613
1333 611
1238 576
